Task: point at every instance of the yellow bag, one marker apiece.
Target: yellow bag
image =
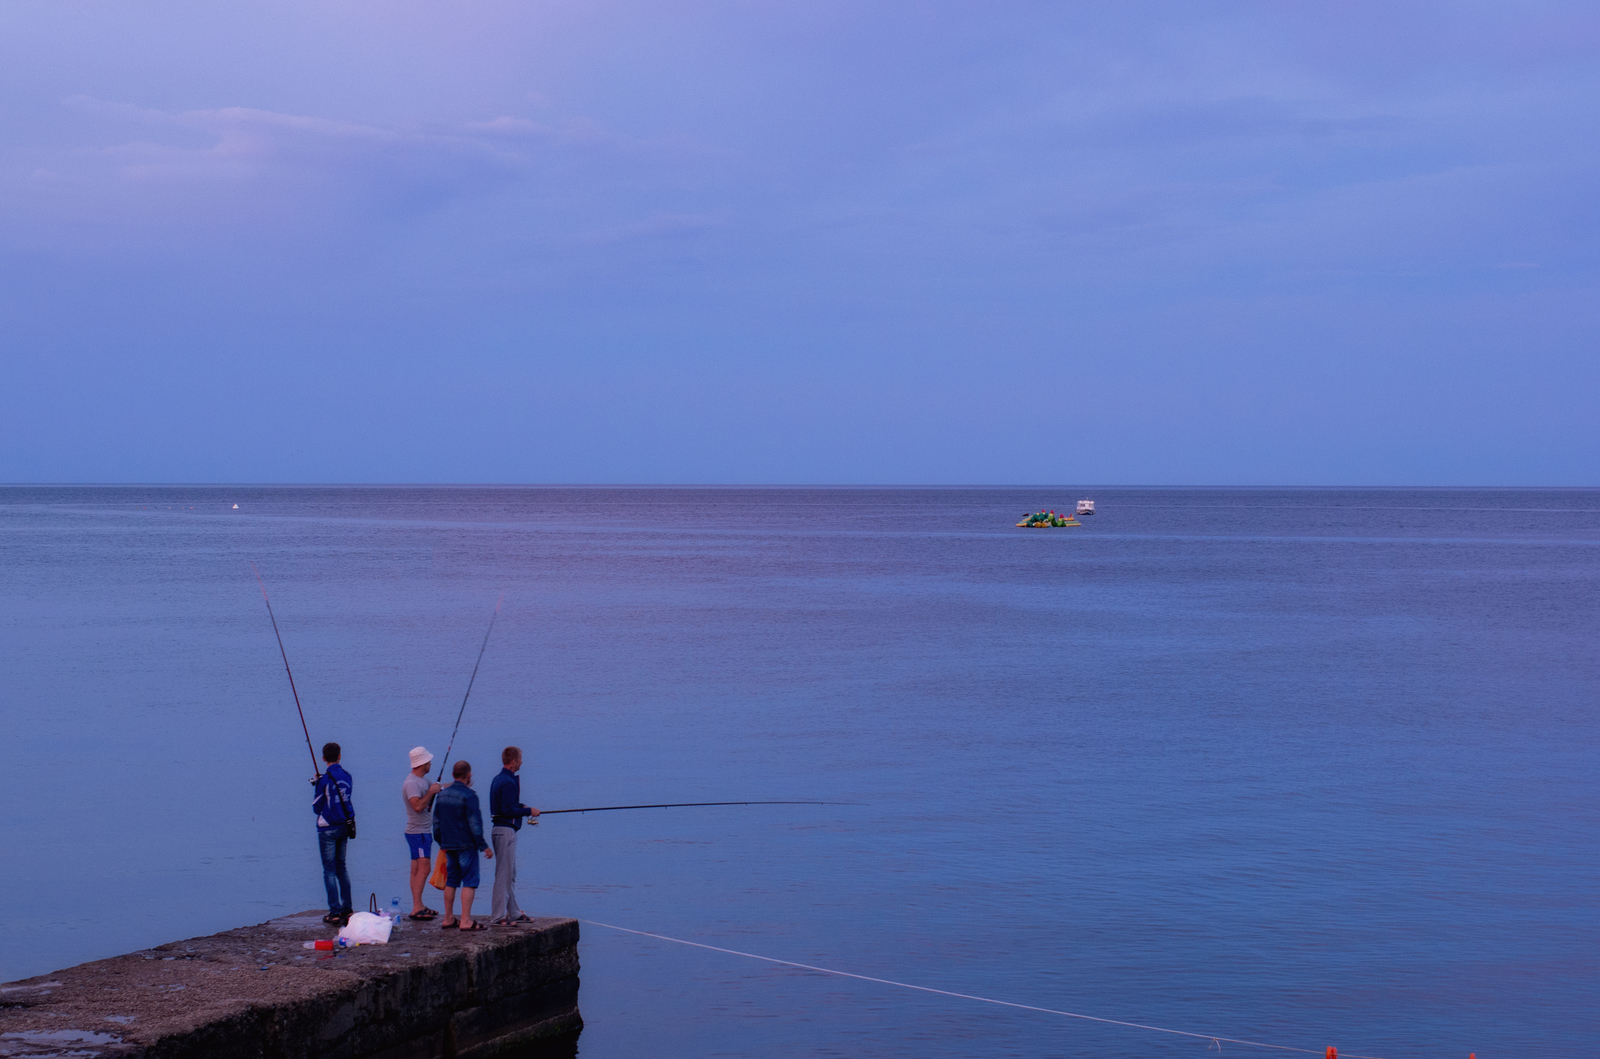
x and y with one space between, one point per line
438 877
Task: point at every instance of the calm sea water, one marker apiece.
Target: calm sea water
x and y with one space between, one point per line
1307 767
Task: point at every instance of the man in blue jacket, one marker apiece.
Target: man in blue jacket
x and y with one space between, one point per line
458 828
506 812
336 817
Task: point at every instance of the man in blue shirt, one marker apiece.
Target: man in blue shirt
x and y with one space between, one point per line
505 813
458 828
336 818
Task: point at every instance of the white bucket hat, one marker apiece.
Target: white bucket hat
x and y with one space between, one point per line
420 756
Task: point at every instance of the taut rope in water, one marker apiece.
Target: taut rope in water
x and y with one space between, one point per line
970 996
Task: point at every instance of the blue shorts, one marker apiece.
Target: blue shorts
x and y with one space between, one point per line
461 868
421 846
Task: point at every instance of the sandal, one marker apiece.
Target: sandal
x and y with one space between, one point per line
426 913
450 926
333 918
523 918
478 925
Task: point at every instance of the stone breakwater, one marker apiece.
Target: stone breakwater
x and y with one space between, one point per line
256 993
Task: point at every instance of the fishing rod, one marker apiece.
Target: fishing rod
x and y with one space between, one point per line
464 698
295 692
676 805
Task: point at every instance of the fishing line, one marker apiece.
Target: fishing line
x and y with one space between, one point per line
474 677
967 996
314 767
676 805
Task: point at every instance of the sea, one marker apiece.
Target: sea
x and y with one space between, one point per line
1300 767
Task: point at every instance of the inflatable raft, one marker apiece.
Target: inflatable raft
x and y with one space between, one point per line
1041 519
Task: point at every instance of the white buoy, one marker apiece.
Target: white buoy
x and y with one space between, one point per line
236 507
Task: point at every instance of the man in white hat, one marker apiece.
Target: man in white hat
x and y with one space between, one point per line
419 795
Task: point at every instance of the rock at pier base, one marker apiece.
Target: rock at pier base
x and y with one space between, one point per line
256 993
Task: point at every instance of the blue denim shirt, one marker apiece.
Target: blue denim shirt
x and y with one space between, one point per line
457 818
505 801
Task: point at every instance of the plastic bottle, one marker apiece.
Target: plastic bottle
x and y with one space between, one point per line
336 943
394 911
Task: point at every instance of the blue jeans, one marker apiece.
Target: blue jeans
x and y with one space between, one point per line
334 877
461 868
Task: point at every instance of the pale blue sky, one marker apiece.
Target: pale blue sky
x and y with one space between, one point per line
1219 243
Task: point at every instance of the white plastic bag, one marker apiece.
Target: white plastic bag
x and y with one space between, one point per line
366 929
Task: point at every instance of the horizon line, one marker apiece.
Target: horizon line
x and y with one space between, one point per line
745 485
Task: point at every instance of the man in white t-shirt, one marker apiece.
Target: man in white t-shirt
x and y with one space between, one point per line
419 794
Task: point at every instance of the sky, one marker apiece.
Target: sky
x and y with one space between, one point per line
800 242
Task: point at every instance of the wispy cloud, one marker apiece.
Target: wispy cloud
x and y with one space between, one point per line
156 175
247 142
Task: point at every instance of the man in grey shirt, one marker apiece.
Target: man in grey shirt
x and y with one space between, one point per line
419 794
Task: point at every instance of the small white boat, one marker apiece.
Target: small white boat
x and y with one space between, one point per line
1086 507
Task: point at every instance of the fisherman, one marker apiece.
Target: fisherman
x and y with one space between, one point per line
458 828
419 794
506 812
336 824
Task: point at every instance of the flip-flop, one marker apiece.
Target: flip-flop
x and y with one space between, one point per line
426 913
523 918
450 926
477 925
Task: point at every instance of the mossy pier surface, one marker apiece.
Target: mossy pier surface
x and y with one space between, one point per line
257 993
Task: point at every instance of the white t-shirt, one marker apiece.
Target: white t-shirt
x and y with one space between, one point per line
417 823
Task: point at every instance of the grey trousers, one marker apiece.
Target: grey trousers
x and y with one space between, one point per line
505 874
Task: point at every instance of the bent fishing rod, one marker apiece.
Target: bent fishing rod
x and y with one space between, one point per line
292 689
676 805
463 710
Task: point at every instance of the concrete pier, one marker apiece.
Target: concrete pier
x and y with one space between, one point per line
256 993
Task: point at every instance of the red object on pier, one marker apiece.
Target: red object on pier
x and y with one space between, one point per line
1333 1053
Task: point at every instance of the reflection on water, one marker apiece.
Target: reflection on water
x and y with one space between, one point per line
563 1047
